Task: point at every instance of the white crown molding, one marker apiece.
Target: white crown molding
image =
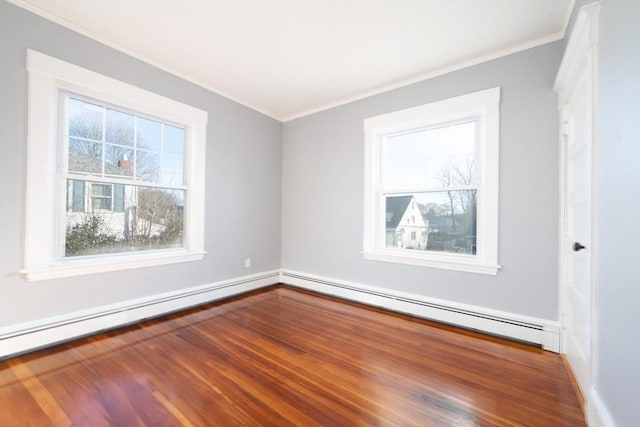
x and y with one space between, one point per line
31 7
431 74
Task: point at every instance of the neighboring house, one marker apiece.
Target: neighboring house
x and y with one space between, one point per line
406 228
116 204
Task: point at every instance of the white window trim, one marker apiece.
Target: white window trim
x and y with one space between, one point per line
486 105
48 77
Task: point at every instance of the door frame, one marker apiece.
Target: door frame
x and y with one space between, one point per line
581 55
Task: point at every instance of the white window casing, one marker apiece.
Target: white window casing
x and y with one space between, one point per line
49 78
485 105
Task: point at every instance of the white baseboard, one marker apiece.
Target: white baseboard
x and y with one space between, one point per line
597 413
32 335
524 328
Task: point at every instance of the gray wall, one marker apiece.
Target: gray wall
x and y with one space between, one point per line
618 226
322 187
242 179
322 169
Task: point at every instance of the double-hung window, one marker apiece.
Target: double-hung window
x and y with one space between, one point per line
115 174
124 178
431 184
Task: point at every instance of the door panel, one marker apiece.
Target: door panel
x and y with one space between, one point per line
577 286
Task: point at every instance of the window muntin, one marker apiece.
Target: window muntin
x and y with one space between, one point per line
104 141
430 157
106 145
431 184
101 196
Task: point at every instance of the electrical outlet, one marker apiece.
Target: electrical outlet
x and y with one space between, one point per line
247 262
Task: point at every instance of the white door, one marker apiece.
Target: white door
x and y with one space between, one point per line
577 241
576 87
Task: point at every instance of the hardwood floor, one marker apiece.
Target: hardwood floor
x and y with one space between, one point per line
283 357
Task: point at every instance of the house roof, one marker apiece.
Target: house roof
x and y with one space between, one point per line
396 207
79 162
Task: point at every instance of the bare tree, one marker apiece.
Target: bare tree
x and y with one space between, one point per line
464 175
446 180
161 214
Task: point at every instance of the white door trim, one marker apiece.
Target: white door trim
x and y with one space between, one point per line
580 55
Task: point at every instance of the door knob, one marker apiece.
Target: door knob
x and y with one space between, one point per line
578 246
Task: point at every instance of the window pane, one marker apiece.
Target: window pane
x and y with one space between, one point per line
432 158
148 167
85 156
442 221
85 119
149 134
173 140
119 128
172 170
161 216
118 161
122 218
75 195
101 190
100 196
405 161
118 198
464 136
101 203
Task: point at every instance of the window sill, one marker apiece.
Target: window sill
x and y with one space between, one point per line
457 263
100 264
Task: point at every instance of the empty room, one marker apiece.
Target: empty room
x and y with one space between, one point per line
319 213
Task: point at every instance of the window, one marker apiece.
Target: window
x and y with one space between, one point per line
101 198
107 143
432 171
121 170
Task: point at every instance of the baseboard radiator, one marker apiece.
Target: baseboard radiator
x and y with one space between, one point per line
29 336
545 333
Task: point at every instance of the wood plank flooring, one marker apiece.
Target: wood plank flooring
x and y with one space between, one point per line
283 357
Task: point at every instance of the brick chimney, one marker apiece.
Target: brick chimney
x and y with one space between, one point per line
125 163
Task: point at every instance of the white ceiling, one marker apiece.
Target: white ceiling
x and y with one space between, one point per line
290 58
